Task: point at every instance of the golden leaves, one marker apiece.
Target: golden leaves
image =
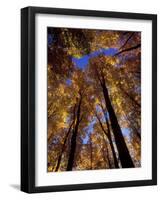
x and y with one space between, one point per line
67 84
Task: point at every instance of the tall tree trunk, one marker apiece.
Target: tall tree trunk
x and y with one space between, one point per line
74 138
123 151
63 147
108 134
110 138
107 152
111 143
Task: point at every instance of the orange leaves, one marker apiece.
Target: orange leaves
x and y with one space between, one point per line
68 83
103 39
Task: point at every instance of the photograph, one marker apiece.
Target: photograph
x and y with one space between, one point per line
93 99
89 99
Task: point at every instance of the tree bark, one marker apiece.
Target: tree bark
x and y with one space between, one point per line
107 151
123 151
111 143
108 134
74 138
63 147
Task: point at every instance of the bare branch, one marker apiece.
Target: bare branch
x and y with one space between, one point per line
128 49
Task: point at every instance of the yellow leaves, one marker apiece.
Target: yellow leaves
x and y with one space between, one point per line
61 125
118 101
103 39
61 88
87 83
77 55
74 52
112 62
50 169
97 101
64 116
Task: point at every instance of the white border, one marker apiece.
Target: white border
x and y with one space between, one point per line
145 172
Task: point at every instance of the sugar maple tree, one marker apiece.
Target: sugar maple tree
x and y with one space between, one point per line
94 109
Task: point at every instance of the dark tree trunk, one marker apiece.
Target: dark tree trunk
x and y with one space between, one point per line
63 147
74 138
111 144
108 134
110 139
107 152
123 151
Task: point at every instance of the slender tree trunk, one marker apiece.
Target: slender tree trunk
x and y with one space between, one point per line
63 147
123 151
110 139
112 146
107 152
108 134
74 138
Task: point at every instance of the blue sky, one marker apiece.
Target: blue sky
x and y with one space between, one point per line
89 130
68 82
125 131
50 39
82 62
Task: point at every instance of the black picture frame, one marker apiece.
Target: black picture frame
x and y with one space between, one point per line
28 98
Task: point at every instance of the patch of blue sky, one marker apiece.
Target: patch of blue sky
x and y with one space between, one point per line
82 62
86 139
98 108
126 132
107 115
89 130
69 82
110 51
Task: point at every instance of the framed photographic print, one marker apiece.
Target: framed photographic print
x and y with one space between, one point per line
88 99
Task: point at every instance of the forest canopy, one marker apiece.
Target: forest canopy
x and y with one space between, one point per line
94 99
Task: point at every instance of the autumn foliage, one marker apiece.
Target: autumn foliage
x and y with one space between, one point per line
94 99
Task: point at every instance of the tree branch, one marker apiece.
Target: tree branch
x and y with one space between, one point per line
126 41
128 49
